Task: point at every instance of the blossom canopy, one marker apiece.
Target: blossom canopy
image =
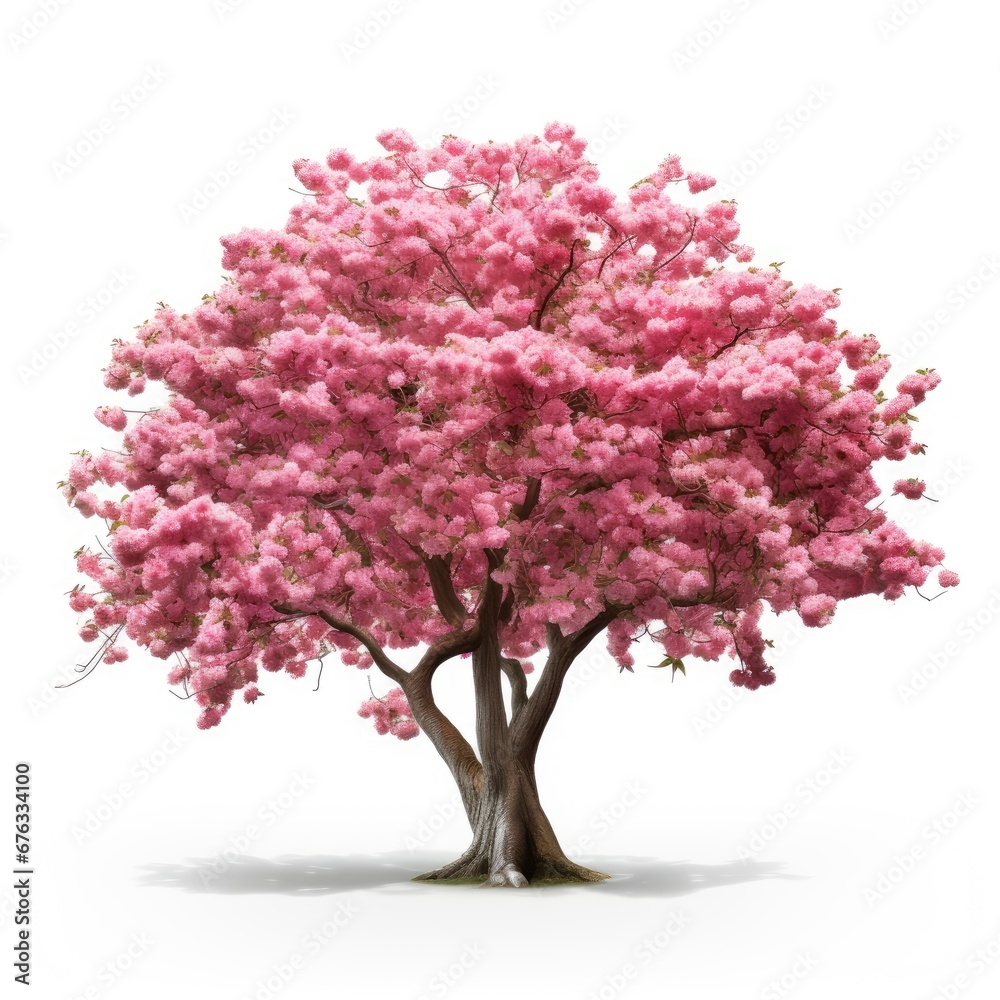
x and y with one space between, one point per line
476 362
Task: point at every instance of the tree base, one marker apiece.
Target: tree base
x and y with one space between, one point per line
556 872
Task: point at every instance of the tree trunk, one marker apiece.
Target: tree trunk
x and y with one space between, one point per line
513 843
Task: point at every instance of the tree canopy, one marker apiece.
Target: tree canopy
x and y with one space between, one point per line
474 365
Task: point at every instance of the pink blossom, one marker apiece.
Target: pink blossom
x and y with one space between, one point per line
115 654
487 369
80 600
112 416
209 717
912 489
390 714
869 377
919 384
699 182
817 610
406 730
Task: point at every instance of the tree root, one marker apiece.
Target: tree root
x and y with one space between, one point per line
557 871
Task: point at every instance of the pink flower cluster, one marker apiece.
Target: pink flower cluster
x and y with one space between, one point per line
390 714
434 334
912 489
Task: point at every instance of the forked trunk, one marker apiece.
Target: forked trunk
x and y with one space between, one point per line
513 843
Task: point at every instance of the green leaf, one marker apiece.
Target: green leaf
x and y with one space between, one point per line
674 664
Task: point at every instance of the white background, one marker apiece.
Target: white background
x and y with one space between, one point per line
812 116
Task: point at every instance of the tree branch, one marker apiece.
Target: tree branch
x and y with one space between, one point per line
558 283
518 685
392 670
354 538
443 588
453 747
608 256
527 729
416 685
531 494
679 252
578 641
725 347
590 484
454 276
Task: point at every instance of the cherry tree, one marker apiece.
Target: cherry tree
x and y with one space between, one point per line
470 400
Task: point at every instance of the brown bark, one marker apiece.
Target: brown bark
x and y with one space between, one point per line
513 843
